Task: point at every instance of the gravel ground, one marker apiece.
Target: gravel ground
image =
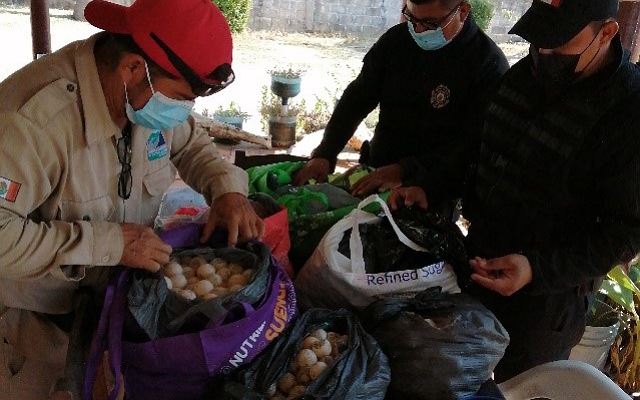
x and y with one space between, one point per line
331 61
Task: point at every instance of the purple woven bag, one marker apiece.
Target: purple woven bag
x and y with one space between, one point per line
181 367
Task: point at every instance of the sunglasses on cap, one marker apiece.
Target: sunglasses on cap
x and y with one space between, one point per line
223 75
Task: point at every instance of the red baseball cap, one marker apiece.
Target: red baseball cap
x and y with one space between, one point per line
193 30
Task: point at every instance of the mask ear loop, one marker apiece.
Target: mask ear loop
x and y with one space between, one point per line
451 20
594 56
126 95
146 68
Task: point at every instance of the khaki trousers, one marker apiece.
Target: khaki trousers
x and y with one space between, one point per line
32 355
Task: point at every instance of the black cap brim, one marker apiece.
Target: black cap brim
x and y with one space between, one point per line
544 28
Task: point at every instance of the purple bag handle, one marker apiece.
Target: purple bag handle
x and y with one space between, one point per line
109 335
247 309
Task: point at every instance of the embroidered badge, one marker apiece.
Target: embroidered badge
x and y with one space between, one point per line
440 96
554 3
8 189
156 146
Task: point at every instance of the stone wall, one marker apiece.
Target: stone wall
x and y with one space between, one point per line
359 16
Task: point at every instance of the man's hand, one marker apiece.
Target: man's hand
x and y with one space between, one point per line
316 168
505 275
143 248
407 196
383 178
233 212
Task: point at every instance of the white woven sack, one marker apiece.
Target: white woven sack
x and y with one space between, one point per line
331 280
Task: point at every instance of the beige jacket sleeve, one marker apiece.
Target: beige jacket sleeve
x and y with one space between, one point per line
39 142
201 165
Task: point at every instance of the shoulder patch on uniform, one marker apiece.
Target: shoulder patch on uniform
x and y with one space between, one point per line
49 101
9 189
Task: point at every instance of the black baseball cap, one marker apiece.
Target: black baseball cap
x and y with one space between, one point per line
549 24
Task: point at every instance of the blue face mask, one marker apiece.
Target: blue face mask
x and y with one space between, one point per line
160 112
432 39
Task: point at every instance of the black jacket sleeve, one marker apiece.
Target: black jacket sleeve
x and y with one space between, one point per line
359 98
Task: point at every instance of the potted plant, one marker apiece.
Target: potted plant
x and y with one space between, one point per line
622 290
281 120
603 323
232 115
285 82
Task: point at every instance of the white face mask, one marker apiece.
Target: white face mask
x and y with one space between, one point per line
160 112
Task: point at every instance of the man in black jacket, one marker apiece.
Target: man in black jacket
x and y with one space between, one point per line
431 77
556 198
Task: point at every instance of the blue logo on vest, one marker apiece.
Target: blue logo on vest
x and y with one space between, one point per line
156 146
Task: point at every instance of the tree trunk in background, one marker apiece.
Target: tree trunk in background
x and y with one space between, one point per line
78 10
629 20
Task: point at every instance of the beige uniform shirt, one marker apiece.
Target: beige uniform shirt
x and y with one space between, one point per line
59 203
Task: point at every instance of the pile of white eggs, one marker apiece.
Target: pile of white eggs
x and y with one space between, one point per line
318 350
196 277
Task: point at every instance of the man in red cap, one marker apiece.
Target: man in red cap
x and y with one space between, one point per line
554 201
93 135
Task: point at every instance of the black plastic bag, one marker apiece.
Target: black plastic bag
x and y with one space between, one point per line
361 371
440 346
383 251
160 312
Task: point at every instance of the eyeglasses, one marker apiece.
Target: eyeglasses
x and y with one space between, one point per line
123 148
223 75
427 24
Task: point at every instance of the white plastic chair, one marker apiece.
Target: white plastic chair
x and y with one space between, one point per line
562 380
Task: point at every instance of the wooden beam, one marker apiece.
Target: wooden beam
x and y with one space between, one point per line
40 33
629 21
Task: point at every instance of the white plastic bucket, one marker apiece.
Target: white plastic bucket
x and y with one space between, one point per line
596 341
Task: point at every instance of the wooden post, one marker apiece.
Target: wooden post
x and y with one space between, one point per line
40 34
629 21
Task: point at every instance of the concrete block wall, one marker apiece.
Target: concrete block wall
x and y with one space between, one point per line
357 16
505 14
360 16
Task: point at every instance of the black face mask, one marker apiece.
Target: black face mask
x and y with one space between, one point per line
558 70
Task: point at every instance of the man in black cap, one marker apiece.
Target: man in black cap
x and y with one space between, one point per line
555 199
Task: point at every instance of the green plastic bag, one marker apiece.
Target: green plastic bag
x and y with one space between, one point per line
267 178
306 229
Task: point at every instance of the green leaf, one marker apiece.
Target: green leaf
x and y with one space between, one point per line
634 273
620 295
618 275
